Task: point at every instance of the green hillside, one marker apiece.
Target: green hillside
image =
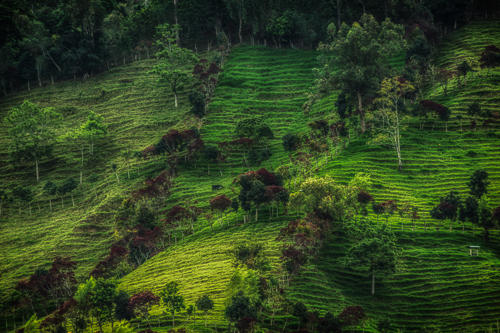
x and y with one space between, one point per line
439 285
137 112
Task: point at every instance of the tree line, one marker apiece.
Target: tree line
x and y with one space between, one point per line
45 41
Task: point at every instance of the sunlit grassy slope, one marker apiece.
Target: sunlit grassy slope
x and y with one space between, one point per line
439 285
256 82
137 112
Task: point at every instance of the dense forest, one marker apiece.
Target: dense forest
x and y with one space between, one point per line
43 41
250 166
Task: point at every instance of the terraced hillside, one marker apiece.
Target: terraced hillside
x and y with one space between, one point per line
439 284
256 82
136 111
439 287
436 161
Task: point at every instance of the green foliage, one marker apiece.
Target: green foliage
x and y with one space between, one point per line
251 256
290 142
478 183
102 300
205 304
374 250
92 130
356 58
31 129
240 307
172 59
197 100
254 128
172 300
325 197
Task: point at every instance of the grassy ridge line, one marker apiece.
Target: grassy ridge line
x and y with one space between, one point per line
137 112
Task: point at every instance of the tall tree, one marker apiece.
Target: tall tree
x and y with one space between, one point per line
374 251
355 59
448 208
172 300
102 299
31 129
478 183
238 11
389 111
93 129
205 304
173 59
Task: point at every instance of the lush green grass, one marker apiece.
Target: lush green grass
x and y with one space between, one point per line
256 82
137 112
439 286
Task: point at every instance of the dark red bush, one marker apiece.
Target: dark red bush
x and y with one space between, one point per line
352 315
364 197
220 203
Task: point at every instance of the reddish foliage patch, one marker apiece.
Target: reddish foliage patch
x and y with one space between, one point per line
436 107
352 315
364 197
220 203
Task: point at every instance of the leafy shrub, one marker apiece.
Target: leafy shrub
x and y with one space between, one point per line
290 142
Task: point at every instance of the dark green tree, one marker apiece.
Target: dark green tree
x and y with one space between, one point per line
448 208
374 251
24 196
172 300
290 142
50 189
469 211
31 129
240 307
205 304
103 295
69 186
478 183
355 59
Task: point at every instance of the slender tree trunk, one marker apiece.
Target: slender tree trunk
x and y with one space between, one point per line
175 100
50 204
373 283
338 14
38 75
72 200
240 17
177 37
36 170
398 147
361 112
